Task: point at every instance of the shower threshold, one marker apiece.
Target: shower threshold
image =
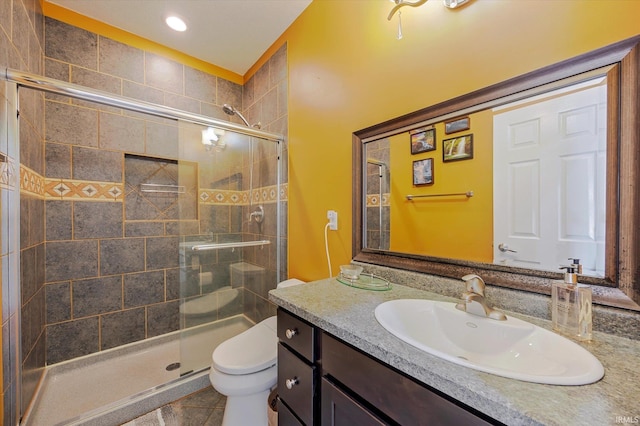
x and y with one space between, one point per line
117 385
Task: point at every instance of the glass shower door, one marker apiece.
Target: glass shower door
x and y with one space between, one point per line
229 242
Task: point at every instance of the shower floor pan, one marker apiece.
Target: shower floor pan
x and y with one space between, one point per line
114 386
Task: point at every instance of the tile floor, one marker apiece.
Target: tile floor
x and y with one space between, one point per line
203 408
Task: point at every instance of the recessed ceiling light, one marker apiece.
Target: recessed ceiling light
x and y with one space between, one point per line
176 23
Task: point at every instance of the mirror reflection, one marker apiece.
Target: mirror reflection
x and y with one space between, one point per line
519 181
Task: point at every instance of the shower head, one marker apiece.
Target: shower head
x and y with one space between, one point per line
230 110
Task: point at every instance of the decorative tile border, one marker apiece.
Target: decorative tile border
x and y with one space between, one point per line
268 194
69 189
30 182
8 173
66 189
373 200
220 196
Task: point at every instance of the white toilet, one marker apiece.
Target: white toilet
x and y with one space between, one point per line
244 369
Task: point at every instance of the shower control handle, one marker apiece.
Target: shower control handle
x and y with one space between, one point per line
290 333
290 383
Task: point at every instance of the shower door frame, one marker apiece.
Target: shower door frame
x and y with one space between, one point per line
76 91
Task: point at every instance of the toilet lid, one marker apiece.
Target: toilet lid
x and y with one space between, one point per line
252 350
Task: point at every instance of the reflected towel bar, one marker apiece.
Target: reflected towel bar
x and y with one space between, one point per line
218 246
467 194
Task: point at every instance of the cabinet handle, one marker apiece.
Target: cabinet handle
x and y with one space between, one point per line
290 383
290 333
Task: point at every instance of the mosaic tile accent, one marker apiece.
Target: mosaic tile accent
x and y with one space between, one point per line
373 200
8 173
66 189
30 181
268 194
220 196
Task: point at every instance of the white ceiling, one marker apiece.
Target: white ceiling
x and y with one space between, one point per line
231 34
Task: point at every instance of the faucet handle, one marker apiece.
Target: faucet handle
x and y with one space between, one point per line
474 283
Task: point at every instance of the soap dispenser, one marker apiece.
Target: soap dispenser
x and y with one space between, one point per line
571 312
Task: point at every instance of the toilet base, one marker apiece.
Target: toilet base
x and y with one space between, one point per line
246 410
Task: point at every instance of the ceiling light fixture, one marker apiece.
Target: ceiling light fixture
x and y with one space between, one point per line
452 4
176 23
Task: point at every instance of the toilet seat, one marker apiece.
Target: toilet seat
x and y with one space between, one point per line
252 350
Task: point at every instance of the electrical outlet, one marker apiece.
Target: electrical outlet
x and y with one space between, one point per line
332 215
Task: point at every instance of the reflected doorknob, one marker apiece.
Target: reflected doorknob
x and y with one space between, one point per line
505 248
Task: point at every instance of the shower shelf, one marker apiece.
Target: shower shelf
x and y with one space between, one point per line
160 188
218 246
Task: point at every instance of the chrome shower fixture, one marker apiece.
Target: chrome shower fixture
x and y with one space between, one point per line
231 110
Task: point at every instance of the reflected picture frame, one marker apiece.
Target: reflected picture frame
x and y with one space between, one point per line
423 172
422 140
457 149
457 125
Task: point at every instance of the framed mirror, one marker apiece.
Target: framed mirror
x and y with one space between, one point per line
522 176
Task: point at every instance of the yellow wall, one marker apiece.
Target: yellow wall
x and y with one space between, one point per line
455 227
347 72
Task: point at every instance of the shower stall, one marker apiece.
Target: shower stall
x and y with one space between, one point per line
162 234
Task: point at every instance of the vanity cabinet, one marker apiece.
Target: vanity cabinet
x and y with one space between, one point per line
388 396
324 381
298 350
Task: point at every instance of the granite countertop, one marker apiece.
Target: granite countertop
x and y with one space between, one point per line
348 313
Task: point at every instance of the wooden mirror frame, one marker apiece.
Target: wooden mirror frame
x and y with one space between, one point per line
621 285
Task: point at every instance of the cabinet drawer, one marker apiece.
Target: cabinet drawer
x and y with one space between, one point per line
296 374
297 334
339 409
286 417
400 398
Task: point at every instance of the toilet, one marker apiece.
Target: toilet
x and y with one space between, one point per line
244 369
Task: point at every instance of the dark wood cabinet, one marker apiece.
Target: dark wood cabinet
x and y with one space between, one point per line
339 409
297 371
390 394
296 384
325 381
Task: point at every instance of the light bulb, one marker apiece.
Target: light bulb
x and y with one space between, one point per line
176 23
209 136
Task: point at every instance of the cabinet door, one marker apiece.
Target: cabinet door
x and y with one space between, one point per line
339 409
286 417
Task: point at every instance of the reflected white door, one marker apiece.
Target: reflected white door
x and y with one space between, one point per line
549 181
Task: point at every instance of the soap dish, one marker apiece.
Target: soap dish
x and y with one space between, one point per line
366 282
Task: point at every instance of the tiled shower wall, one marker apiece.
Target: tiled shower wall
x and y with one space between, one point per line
21 47
75 160
378 207
113 279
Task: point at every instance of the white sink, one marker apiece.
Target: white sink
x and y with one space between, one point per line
513 348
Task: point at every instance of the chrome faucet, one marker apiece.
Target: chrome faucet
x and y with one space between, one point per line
474 302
